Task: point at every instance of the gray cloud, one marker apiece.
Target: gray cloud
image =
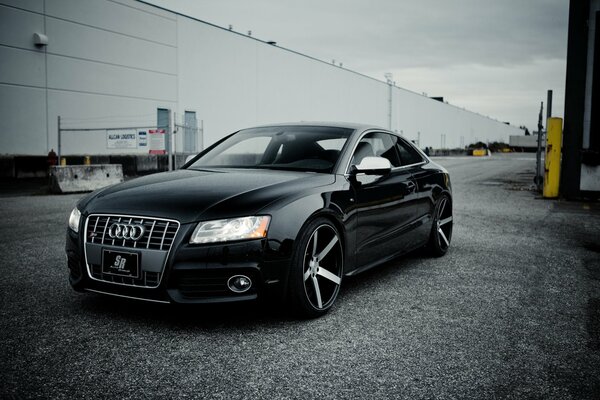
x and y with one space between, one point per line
438 33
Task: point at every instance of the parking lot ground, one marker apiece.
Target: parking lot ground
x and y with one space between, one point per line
512 311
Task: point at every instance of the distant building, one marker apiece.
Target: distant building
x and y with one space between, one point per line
528 143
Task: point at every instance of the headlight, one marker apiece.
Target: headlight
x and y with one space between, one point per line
224 230
74 219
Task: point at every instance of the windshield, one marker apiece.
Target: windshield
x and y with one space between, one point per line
297 148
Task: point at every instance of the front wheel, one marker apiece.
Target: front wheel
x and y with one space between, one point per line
317 268
441 229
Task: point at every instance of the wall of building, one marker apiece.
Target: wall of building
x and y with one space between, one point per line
106 64
113 63
580 167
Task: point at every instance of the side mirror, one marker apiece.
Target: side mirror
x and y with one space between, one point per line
372 166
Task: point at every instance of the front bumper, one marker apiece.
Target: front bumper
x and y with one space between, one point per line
194 273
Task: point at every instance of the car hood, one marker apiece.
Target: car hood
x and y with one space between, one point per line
191 195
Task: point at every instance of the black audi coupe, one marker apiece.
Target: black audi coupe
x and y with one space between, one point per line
278 212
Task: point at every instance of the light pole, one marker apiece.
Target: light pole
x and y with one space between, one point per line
389 79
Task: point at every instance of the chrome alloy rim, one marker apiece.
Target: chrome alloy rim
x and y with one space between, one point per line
323 260
443 223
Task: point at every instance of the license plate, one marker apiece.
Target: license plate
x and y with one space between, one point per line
120 263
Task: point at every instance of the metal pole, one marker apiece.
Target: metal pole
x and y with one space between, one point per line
552 157
388 78
174 140
390 108
549 105
169 146
59 140
105 129
538 160
201 134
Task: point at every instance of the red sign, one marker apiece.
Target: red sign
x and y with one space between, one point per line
157 141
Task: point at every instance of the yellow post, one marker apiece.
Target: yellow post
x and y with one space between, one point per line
87 160
63 161
552 159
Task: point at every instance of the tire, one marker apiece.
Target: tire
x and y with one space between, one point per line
316 270
441 229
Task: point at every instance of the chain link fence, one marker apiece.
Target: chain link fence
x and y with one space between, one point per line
151 145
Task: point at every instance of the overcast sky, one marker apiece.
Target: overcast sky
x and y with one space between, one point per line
495 57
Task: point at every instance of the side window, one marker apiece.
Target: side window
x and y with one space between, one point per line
376 144
408 155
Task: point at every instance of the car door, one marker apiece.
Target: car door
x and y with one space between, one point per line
412 160
385 205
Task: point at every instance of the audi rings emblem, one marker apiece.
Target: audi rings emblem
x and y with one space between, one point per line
126 231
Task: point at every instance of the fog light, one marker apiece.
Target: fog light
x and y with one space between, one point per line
239 283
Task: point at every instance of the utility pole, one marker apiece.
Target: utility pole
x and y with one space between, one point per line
390 82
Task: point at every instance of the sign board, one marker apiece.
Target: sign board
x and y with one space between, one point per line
126 139
142 138
157 141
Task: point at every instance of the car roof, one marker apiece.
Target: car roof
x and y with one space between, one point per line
349 125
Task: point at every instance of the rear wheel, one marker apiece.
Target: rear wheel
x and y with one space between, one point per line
441 230
317 268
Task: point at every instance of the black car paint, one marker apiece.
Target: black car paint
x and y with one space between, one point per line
358 206
194 195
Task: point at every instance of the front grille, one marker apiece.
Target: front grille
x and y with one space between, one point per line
198 284
158 235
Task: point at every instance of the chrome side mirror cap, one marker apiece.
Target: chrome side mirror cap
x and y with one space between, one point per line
372 166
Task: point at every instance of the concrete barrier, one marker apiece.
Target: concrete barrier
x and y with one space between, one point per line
84 178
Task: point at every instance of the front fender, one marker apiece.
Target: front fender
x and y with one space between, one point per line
289 216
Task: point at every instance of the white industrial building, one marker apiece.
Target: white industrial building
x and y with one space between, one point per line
124 63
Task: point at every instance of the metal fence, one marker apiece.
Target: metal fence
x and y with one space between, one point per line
130 135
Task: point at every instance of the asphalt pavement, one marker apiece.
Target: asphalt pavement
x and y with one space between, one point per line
512 311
